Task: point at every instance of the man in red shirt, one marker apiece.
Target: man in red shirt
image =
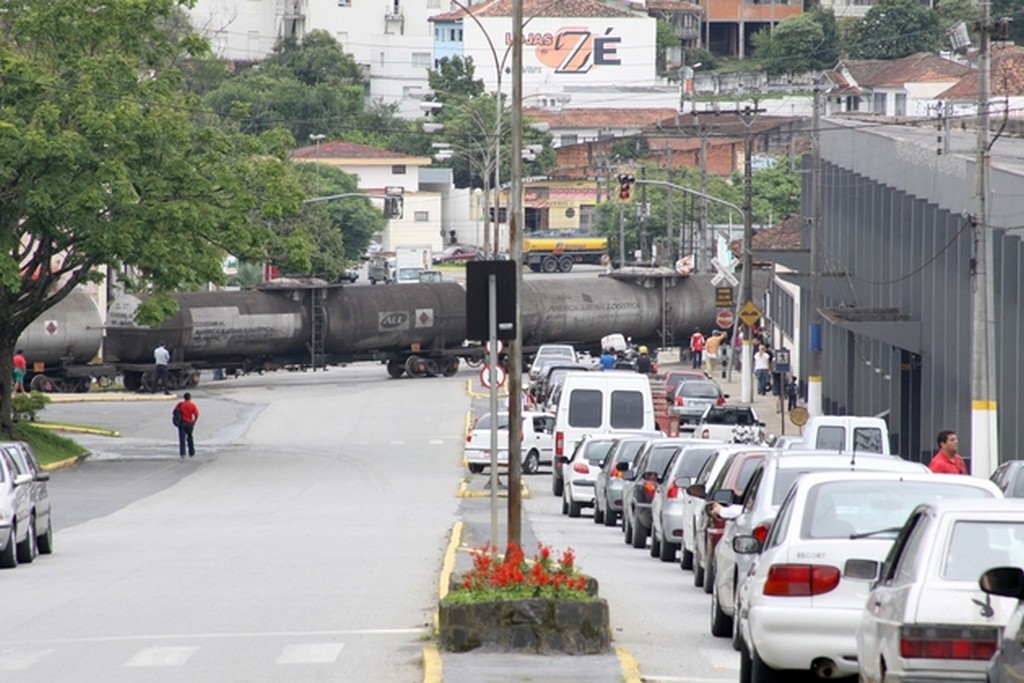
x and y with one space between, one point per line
697 348
187 413
947 460
20 368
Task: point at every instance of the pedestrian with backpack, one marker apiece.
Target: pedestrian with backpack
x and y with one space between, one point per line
184 418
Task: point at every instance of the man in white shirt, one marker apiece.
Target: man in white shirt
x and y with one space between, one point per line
762 365
162 357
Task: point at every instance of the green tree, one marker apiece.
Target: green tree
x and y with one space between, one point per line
897 28
793 46
105 160
454 77
1011 9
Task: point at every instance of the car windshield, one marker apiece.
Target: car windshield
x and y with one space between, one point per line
699 390
977 546
628 450
596 451
728 416
485 421
840 509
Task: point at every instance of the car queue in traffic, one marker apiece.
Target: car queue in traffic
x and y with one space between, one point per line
845 564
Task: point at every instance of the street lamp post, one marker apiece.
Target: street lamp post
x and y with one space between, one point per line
317 138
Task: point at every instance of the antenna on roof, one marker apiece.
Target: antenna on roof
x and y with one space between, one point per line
959 39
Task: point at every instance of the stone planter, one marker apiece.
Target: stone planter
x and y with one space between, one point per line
532 625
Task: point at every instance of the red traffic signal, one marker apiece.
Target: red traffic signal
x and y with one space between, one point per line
626 181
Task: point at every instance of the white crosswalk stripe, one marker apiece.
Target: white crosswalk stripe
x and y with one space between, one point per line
161 656
311 653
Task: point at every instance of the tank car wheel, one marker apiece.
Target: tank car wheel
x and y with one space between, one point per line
82 385
414 366
105 382
549 264
475 361
42 383
396 369
565 264
132 381
149 381
431 367
450 366
192 378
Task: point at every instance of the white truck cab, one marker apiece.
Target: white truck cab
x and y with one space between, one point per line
847 433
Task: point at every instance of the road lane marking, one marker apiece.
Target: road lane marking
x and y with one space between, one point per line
311 653
161 656
212 636
16 661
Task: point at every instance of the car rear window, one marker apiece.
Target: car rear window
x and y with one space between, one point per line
628 450
627 410
585 408
977 546
692 461
485 422
865 439
699 390
596 451
661 457
879 508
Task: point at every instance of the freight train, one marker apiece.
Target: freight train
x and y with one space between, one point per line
415 329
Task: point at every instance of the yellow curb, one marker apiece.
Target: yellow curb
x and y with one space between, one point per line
432 670
629 666
62 464
448 567
109 396
78 429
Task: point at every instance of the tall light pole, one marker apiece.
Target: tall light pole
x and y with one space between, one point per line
317 138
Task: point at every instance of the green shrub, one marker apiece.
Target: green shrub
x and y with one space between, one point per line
25 406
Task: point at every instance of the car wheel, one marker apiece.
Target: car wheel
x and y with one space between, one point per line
565 264
745 663
655 544
627 532
721 623
639 535
685 558
556 484
709 575
9 557
532 463
549 264
475 468
565 504
698 569
45 540
668 552
598 513
574 507
610 517
27 548
761 672
737 637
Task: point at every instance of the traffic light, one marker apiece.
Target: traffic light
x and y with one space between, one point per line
626 181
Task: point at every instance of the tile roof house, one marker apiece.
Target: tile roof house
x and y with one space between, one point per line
890 87
1006 81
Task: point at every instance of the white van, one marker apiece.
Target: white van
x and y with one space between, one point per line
847 433
600 402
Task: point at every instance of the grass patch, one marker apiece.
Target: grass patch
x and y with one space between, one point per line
49 447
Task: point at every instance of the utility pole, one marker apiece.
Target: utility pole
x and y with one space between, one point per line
515 224
984 425
642 216
814 360
703 259
747 293
670 200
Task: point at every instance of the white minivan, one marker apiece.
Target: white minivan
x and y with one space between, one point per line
597 403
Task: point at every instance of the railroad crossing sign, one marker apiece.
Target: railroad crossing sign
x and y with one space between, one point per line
724 274
485 376
750 313
724 319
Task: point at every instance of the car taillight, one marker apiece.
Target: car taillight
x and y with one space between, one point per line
616 474
760 532
674 492
706 434
948 642
559 443
679 400
469 438
581 467
720 401
650 487
791 580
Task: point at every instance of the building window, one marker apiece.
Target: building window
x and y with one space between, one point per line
398 170
901 104
421 60
451 35
459 33
878 103
568 139
421 216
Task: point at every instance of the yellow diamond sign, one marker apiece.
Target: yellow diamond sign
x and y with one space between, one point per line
750 313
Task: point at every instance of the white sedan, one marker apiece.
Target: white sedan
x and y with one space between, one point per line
537 444
580 472
800 606
17 527
927 619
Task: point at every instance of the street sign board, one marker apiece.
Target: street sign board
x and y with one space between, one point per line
485 376
782 361
724 319
726 273
750 313
723 297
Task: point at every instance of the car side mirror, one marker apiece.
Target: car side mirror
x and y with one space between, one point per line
42 476
562 459
746 545
761 424
696 490
724 496
1005 581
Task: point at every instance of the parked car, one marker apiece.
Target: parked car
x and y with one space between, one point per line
537 442
581 470
17 534
927 617
564 352
641 484
752 515
674 377
730 423
692 397
709 525
39 492
350 275
551 370
800 606
609 483
456 254
1007 665
1009 477
693 504
667 508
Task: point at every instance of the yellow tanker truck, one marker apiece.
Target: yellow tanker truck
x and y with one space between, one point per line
554 253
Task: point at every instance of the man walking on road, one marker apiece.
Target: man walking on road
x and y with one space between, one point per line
697 348
186 414
161 357
947 460
711 351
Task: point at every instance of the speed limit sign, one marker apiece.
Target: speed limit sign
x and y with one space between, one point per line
485 376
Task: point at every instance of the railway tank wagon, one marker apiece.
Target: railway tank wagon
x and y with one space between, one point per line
60 342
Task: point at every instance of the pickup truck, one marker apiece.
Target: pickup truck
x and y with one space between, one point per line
730 423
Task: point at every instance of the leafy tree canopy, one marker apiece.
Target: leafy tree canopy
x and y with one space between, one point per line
792 47
896 28
105 160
